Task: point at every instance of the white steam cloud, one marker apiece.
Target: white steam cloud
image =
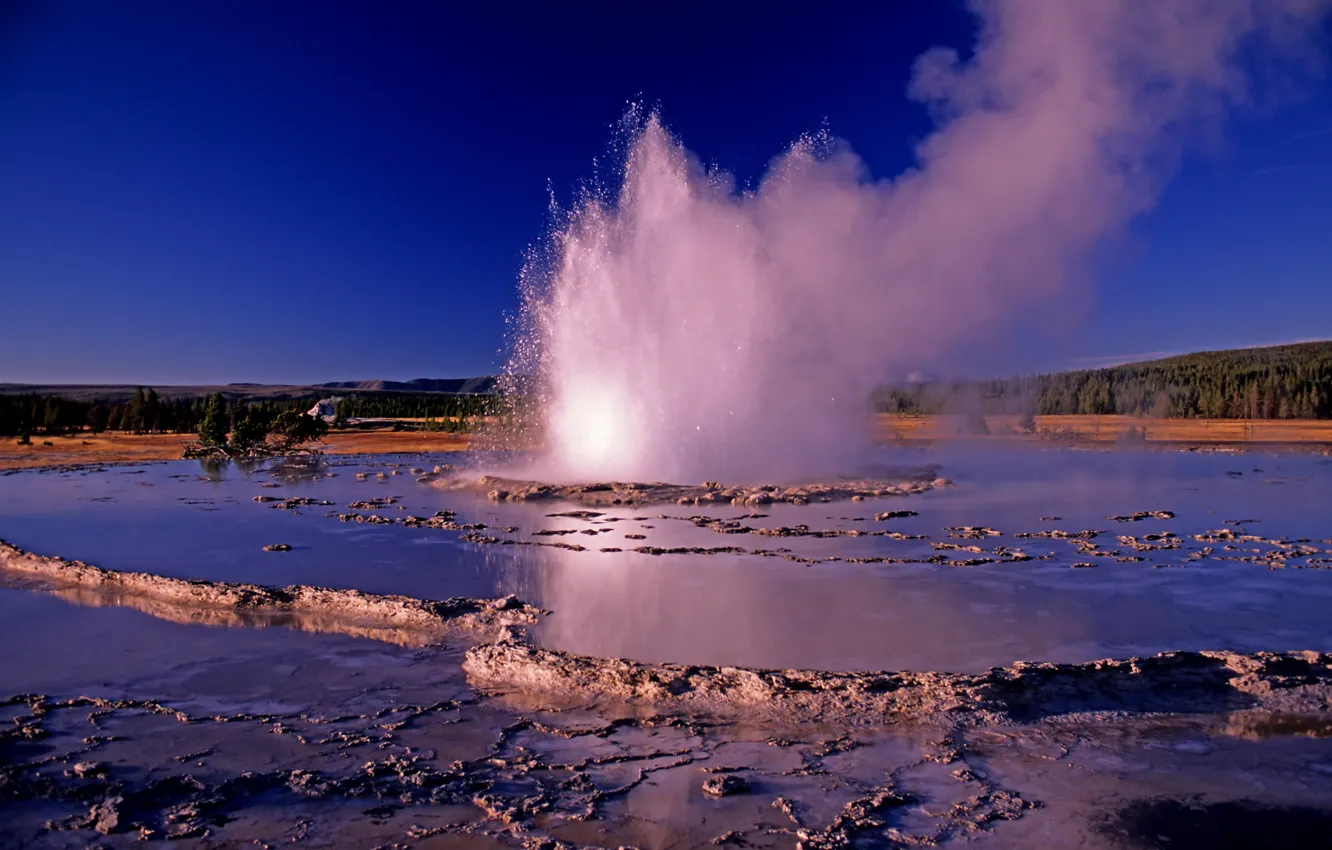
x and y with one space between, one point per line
686 331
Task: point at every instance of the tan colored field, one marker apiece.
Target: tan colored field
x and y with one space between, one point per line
383 442
117 447
1112 428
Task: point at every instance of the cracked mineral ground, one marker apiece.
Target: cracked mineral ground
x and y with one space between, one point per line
1032 648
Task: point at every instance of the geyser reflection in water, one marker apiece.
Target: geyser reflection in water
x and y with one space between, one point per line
683 329
758 611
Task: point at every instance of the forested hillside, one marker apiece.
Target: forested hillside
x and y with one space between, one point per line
1280 382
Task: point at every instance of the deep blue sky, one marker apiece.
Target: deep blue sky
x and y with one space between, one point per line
278 191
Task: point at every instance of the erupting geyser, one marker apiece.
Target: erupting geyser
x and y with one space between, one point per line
681 329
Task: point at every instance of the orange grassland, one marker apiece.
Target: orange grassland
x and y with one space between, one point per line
1110 429
121 448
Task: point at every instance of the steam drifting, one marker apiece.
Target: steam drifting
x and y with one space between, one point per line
684 330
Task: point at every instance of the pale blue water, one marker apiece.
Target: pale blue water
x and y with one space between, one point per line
178 519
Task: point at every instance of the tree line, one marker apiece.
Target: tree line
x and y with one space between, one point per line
254 430
413 406
1280 382
148 412
142 413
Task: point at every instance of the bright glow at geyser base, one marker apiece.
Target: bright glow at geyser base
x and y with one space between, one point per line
597 428
681 330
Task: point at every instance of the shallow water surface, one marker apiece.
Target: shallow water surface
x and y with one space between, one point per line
182 520
157 722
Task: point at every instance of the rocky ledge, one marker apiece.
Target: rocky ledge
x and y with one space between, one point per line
330 609
1169 683
884 484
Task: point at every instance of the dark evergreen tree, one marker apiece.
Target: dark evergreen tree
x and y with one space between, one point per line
293 429
97 418
134 416
152 412
213 426
249 433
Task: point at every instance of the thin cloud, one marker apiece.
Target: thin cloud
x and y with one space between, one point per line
1108 360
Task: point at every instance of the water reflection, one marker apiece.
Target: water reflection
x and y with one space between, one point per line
1258 725
743 610
196 615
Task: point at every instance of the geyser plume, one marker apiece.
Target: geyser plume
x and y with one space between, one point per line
683 330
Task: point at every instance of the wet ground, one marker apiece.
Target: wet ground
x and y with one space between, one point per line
223 724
